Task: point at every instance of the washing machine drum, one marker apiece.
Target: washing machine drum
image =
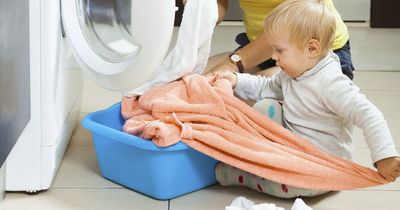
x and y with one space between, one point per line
118 43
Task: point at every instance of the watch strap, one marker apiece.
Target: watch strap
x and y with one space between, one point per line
239 63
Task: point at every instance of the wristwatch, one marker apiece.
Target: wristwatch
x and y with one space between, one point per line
237 60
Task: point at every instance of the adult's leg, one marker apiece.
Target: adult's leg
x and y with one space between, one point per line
345 60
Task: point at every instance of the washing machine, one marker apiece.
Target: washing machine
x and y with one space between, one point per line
55 91
117 43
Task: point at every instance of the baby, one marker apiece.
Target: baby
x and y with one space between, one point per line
319 102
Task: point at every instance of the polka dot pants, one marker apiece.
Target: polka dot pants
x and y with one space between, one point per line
228 175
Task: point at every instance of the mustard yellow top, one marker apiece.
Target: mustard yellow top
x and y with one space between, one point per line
255 11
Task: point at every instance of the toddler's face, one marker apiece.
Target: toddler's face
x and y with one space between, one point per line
290 58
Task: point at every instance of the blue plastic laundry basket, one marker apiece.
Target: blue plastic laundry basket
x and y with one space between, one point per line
138 164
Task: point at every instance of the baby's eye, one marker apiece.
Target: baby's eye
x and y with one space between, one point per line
278 50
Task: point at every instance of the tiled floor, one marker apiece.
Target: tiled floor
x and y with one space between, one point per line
80 186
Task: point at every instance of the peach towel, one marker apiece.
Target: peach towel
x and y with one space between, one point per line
210 119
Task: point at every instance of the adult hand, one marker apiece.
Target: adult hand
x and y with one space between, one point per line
228 75
389 168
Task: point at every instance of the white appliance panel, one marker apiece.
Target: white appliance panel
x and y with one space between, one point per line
119 54
55 103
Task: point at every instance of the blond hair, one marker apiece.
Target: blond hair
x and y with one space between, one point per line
303 20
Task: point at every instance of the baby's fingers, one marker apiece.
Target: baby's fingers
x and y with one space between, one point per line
219 75
396 172
393 175
391 178
211 77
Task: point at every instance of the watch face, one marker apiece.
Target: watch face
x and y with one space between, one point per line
235 58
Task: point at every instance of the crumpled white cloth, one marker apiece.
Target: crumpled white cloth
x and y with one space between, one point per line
242 203
192 49
300 205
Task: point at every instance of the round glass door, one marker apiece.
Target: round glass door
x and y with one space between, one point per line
106 26
119 43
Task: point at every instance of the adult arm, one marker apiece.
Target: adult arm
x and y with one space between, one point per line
255 52
222 8
252 54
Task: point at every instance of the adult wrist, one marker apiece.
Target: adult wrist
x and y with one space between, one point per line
236 59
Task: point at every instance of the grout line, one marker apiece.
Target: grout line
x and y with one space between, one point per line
89 188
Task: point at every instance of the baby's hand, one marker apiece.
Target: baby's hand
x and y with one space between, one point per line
230 76
389 168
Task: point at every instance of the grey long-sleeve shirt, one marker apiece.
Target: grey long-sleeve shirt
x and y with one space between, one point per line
322 105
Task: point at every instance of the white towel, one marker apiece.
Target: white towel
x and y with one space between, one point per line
242 203
192 49
300 205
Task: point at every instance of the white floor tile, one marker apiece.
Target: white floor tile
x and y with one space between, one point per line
356 200
375 49
223 39
79 169
81 136
218 198
377 80
82 199
393 122
388 101
363 157
96 98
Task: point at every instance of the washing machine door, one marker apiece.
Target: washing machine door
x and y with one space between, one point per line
119 43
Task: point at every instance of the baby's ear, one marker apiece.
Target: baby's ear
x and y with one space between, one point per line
313 48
